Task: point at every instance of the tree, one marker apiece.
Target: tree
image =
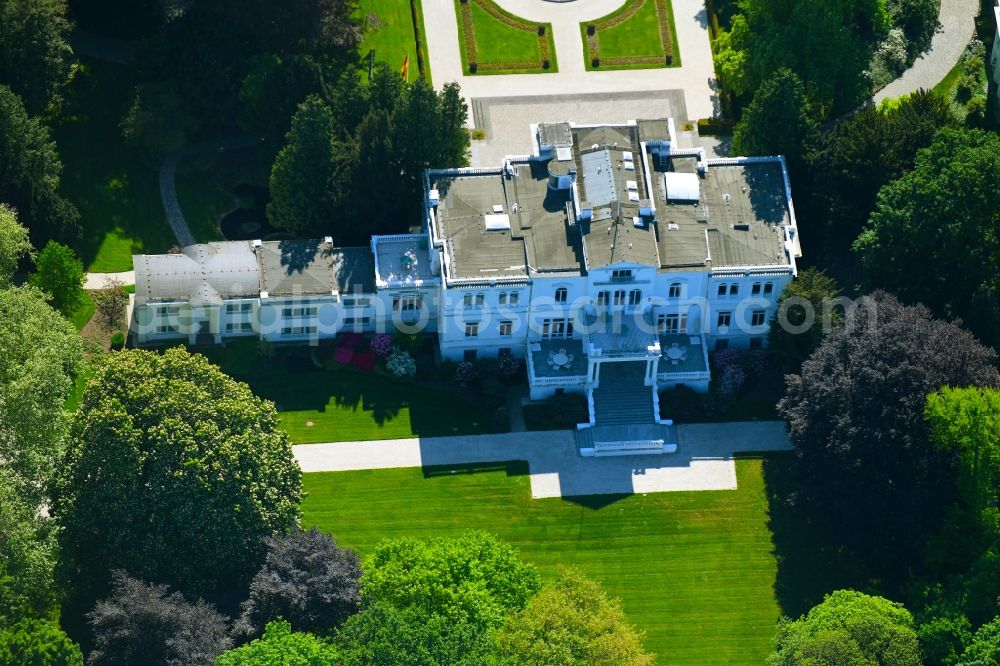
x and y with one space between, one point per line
310 25
30 170
158 122
38 643
809 297
35 56
59 274
778 121
474 578
174 473
412 636
111 304
40 354
307 580
571 621
280 646
855 415
304 173
145 623
984 650
952 267
27 557
120 18
848 628
14 244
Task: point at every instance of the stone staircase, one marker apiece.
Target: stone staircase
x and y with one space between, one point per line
624 422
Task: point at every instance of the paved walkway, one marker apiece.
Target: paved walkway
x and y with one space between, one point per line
696 76
97 280
957 25
168 187
704 460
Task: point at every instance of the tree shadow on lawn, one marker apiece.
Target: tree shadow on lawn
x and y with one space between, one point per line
511 467
810 562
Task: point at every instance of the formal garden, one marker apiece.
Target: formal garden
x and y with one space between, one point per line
494 41
638 35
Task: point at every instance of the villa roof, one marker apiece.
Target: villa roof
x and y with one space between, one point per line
202 274
314 267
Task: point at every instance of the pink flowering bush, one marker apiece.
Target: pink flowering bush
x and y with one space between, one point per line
731 380
381 344
343 355
364 361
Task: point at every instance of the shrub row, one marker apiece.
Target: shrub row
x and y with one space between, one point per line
470 35
666 38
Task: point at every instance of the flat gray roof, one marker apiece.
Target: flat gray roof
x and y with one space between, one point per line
304 267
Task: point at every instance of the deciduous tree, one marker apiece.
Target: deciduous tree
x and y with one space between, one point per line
111 304
811 297
280 645
175 473
60 275
38 643
141 623
855 415
778 121
14 244
35 56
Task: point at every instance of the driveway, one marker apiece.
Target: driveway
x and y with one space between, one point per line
695 77
704 461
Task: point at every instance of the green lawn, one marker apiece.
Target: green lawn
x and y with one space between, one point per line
116 191
85 312
347 405
389 31
700 572
502 48
637 37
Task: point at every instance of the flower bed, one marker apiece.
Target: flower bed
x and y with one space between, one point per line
477 47
634 22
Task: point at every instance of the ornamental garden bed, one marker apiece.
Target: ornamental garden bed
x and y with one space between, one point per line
639 35
493 41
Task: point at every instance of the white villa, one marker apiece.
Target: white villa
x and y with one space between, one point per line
612 260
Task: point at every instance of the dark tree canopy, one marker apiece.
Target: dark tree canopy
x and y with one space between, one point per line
849 629
141 623
777 122
862 154
855 415
35 56
934 237
812 295
121 18
29 173
38 643
175 473
307 580
293 25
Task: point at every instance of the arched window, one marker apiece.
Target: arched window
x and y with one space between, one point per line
561 294
675 290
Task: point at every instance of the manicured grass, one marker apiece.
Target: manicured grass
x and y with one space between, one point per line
699 572
79 384
389 32
347 404
115 189
636 37
500 47
85 312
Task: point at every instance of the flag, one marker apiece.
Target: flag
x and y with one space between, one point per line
406 67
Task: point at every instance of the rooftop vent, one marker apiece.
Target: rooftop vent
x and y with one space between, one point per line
497 222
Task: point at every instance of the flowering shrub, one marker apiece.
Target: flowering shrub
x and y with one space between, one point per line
731 381
401 364
343 355
465 372
508 366
364 361
381 344
352 340
725 358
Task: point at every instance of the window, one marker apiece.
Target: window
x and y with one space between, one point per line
621 274
169 311
300 312
721 343
471 329
502 298
506 327
734 289
724 319
561 294
619 297
243 327
352 321
469 356
675 290
768 288
756 343
602 297
757 318
672 323
360 302
233 308
634 297
298 330
557 328
755 290
467 300
513 297
722 290
407 303
480 299
166 329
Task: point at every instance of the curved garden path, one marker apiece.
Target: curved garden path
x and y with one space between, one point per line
695 76
956 27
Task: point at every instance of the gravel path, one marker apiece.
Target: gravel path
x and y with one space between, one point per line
168 188
704 461
957 25
97 280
